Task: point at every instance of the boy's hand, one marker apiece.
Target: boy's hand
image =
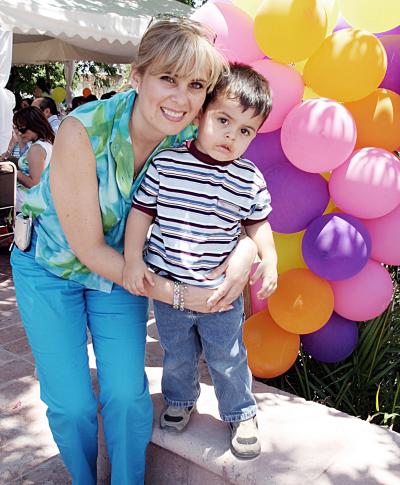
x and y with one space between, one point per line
134 276
269 275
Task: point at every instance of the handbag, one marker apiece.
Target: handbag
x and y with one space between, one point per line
23 231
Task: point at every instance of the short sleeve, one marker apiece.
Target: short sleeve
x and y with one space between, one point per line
145 198
261 206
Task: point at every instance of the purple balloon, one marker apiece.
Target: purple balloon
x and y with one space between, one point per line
297 197
391 81
341 24
395 31
336 246
266 150
335 341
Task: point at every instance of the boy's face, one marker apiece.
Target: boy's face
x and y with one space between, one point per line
225 130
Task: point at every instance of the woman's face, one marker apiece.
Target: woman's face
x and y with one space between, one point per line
167 103
25 134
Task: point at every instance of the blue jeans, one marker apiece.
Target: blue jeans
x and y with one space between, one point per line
183 336
56 314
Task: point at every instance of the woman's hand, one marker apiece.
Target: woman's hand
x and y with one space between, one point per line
237 269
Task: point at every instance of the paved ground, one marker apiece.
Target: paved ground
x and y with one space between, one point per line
28 454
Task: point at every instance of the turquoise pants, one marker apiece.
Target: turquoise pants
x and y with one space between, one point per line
56 314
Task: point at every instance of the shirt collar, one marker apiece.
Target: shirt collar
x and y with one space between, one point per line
206 158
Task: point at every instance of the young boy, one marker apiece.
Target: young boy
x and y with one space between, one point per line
198 197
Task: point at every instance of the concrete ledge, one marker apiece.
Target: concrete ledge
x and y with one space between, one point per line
302 442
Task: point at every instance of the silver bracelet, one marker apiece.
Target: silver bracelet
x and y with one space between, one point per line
178 301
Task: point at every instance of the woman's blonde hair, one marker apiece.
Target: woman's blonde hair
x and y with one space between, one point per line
183 47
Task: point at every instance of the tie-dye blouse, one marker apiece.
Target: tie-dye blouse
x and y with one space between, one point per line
107 125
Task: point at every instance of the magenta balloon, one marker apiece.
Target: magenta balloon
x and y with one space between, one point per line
297 197
318 135
334 342
364 296
256 304
234 29
336 246
287 90
266 150
367 185
395 31
385 237
391 81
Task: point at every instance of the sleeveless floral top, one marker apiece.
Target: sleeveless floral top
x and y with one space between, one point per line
107 125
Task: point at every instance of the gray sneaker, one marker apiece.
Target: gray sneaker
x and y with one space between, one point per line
245 439
175 419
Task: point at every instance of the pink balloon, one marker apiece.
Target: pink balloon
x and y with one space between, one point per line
364 296
234 29
385 237
256 304
318 135
367 185
391 81
287 90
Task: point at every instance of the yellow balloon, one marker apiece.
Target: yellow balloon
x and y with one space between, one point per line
58 94
332 13
349 65
248 6
288 248
331 206
299 66
372 15
290 30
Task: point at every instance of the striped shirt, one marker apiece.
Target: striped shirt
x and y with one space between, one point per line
198 205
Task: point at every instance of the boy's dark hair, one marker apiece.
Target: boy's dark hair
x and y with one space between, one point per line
47 102
33 119
246 85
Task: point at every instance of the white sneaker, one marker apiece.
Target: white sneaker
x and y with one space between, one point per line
245 439
175 419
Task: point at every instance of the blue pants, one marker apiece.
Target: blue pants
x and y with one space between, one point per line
183 336
56 314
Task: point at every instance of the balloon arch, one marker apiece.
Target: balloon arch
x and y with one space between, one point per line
326 152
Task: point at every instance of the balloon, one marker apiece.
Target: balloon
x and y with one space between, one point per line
309 93
341 24
249 6
391 81
58 94
256 304
286 90
86 92
336 246
302 303
271 351
334 342
349 65
371 15
290 30
378 119
266 150
318 135
227 21
288 248
367 185
297 197
366 295
395 31
385 237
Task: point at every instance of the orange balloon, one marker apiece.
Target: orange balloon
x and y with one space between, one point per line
86 92
271 350
377 119
303 302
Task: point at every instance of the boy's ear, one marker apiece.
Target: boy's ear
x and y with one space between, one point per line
197 118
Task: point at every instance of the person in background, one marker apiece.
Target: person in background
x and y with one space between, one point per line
73 269
25 103
77 101
108 95
33 129
49 108
198 197
42 88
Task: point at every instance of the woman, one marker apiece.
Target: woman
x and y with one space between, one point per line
32 127
73 270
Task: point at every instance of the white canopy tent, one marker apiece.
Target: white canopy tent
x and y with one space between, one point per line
96 30
40 31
